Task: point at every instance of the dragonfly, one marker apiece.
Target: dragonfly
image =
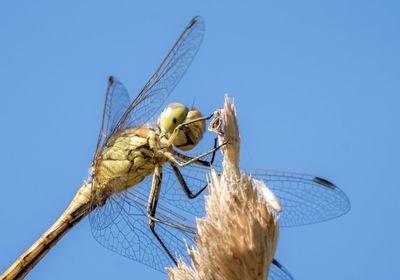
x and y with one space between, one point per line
122 224
143 195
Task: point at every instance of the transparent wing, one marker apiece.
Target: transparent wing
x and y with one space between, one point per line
128 233
121 224
167 76
120 113
101 217
116 103
278 272
305 199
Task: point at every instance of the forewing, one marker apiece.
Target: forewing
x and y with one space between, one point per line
278 272
116 103
305 199
167 76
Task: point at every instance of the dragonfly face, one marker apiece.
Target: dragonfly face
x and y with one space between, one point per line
188 125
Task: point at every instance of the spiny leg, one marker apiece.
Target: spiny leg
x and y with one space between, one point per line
152 207
183 184
153 199
171 158
199 161
180 177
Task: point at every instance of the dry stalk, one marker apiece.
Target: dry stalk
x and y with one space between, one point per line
237 238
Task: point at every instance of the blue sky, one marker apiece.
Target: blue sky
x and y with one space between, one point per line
316 84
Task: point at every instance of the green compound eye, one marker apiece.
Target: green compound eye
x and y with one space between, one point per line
172 116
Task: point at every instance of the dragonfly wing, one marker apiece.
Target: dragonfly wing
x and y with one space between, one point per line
167 76
116 103
119 113
305 199
129 234
102 217
278 272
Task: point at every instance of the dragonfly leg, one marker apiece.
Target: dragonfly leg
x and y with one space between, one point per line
199 161
183 184
171 158
177 129
152 207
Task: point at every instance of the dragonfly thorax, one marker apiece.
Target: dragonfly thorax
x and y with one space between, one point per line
186 127
130 156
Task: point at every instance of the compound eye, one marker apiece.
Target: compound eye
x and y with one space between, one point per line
172 116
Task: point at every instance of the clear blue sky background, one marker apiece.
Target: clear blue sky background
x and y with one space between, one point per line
316 85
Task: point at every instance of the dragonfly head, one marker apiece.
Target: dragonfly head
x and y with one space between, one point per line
188 135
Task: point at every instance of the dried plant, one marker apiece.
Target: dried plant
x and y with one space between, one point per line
237 238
